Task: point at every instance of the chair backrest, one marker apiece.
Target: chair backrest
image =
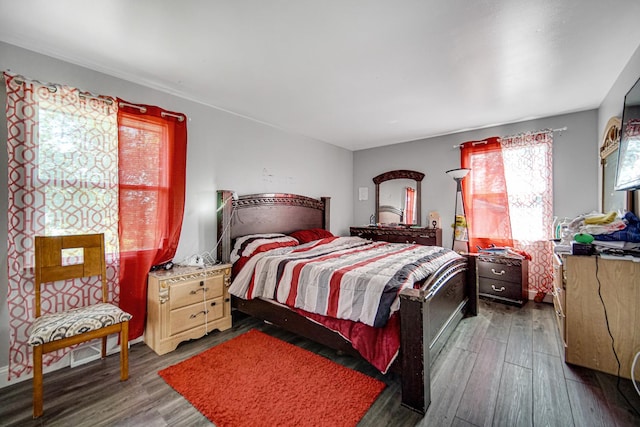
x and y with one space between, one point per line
49 265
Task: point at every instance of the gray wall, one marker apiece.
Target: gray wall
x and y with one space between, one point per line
574 167
225 151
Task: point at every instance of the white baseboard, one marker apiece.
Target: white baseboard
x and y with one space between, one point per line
76 357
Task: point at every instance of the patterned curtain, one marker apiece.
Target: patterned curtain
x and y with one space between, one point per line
62 170
508 198
80 164
528 169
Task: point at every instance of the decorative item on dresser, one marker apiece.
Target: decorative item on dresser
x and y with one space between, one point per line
186 303
503 278
419 235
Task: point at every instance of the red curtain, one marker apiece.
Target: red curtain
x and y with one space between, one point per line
410 204
486 203
152 163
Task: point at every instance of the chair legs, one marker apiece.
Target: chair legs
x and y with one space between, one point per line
38 409
103 352
124 351
37 381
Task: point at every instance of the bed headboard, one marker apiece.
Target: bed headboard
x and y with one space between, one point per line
266 213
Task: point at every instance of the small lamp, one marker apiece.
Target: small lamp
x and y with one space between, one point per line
458 175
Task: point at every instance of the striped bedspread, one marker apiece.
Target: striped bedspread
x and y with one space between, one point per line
341 277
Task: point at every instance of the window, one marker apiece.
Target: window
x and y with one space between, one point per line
77 169
78 163
508 198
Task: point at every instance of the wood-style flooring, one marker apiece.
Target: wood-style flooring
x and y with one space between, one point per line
501 368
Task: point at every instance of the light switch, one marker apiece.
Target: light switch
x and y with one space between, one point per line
363 193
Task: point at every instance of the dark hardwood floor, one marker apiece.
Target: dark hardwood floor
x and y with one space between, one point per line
502 368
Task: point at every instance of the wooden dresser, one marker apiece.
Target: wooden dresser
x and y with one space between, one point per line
503 279
185 303
421 236
581 311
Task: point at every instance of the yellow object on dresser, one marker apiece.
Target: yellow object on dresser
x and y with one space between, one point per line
185 303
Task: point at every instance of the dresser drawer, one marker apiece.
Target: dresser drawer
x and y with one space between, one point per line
417 235
193 291
499 271
195 315
500 289
560 316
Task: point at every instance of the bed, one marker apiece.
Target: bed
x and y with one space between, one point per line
427 314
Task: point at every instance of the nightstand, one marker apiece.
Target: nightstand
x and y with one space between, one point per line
186 303
503 279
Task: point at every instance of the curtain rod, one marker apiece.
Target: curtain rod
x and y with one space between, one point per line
485 141
52 87
143 109
177 116
139 107
92 96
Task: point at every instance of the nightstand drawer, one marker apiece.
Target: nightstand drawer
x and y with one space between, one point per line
194 315
497 271
194 291
500 289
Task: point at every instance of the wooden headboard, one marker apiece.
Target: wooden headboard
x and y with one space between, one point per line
266 213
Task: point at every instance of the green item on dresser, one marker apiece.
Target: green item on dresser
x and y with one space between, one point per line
583 238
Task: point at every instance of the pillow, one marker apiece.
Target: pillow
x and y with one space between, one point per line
306 236
247 246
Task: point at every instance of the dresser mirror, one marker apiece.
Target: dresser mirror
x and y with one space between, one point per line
398 197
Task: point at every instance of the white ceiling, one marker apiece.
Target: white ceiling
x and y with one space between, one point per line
356 74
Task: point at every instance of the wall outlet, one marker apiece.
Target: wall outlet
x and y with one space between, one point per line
195 261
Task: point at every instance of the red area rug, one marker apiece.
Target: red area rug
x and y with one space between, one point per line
256 380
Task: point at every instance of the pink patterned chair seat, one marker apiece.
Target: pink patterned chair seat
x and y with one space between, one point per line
51 327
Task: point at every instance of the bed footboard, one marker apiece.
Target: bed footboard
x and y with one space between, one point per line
428 317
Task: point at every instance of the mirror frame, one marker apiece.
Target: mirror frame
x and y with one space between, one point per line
610 146
401 174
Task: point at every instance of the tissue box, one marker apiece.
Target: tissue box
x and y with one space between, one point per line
581 248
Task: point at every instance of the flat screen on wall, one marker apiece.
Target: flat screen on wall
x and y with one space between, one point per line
628 171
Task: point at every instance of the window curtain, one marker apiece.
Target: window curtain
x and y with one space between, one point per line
152 164
410 204
51 130
78 163
486 203
508 198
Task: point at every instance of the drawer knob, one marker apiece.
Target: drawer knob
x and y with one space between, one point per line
227 299
194 315
500 273
202 283
502 289
213 303
195 291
